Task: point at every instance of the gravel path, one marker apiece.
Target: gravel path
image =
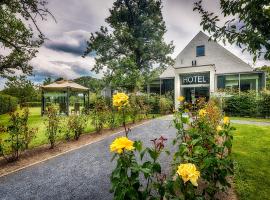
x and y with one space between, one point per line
80 174
250 122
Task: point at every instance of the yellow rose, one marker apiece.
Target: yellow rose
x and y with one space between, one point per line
120 99
202 112
219 128
188 172
119 144
226 120
181 98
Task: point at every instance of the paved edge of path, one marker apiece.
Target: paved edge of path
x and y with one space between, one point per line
74 149
247 122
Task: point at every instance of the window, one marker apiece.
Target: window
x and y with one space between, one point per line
200 51
251 81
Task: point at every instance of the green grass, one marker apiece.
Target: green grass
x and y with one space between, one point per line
251 150
37 121
251 119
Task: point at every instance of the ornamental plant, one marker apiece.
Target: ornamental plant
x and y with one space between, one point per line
19 135
206 140
121 102
52 125
200 166
130 165
99 113
76 125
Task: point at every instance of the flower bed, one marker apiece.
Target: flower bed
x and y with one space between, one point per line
200 166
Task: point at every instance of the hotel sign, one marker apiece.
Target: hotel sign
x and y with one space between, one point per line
200 78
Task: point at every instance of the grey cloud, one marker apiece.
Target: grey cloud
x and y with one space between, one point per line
71 42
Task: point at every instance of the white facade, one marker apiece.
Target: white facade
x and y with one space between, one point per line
216 60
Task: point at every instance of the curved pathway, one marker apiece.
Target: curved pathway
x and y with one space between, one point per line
243 121
81 174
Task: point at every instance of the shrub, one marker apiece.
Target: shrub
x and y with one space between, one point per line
31 104
144 106
19 135
134 108
7 103
264 104
153 102
112 118
76 124
99 113
52 125
28 133
243 104
165 105
203 150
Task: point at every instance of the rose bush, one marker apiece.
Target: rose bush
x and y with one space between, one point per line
201 165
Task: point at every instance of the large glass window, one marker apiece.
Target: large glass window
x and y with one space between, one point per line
252 81
249 82
200 51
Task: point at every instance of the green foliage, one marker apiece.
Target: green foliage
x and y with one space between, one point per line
133 44
7 103
94 85
99 113
248 104
165 105
17 36
113 118
52 125
153 102
19 135
32 104
76 125
206 147
266 69
138 174
125 178
264 104
22 88
247 24
243 104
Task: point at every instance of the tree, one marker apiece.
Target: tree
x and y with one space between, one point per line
94 85
247 25
17 39
47 81
22 88
133 45
267 70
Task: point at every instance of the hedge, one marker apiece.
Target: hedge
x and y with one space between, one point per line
244 104
248 104
264 104
31 104
7 103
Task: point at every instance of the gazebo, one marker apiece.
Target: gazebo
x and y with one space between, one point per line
63 89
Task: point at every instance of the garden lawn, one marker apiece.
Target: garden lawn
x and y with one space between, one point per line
251 150
37 121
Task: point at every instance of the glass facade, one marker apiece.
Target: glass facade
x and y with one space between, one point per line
244 82
162 86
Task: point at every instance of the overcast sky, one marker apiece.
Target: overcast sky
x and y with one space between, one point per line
60 56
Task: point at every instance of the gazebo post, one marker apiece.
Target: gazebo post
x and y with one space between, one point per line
42 102
88 99
67 101
84 99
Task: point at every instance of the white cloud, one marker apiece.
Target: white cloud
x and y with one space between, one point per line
61 54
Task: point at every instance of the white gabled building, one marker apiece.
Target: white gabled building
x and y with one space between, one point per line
204 66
